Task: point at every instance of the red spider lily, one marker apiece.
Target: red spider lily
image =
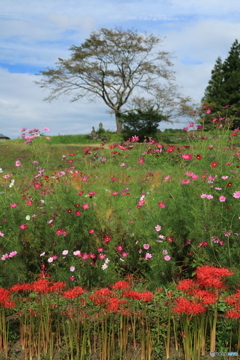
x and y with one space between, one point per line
145 296
73 293
42 286
101 296
4 298
214 164
114 304
206 297
209 276
233 314
21 287
185 306
234 300
57 286
188 286
121 285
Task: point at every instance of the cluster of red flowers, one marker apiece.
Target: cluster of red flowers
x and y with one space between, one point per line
5 298
210 276
206 277
73 293
234 301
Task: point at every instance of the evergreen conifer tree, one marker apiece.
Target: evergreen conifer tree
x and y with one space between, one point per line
224 90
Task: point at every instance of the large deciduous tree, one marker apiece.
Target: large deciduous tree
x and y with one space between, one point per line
110 65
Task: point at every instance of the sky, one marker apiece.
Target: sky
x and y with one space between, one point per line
34 34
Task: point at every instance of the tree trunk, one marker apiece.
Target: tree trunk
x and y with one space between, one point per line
118 123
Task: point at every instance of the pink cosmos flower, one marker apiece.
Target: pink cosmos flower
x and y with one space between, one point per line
236 195
12 254
146 246
72 277
77 253
85 206
203 196
167 257
224 177
47 138
194 177
167 178
222 198
140 161
72 268
209 197
78 213
148 256
185 181
46 129
37 185
1 234
18 163
65 252
61 232
161 204
85 256
4 257
91 231
7 176
124 254
102 256
158 228
119 247
187 156
50 259
23 226
115 193
189 173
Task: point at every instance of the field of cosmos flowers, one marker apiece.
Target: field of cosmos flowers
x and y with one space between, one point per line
133 254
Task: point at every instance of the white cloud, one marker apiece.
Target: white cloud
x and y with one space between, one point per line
35 34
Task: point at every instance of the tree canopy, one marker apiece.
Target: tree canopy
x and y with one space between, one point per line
110 65
223 90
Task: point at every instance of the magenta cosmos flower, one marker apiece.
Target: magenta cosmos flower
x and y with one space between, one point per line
23 226
187 156
61 232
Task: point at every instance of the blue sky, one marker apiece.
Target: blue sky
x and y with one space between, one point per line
34 34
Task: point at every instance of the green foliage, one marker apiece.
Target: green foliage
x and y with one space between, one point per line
141 123
223 90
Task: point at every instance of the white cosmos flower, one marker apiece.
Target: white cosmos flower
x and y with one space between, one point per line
27 217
